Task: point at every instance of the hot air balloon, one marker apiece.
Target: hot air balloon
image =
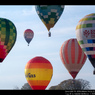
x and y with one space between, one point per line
72 56
38 73
49 14
85 33
28 35
8 35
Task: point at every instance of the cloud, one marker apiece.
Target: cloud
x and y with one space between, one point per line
27 12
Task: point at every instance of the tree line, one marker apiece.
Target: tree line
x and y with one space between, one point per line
70 84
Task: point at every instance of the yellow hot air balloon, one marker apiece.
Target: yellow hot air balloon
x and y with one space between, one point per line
38 73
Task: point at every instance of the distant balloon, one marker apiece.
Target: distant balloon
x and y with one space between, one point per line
85 32
49 14
72 56
8 35
28 35
38 73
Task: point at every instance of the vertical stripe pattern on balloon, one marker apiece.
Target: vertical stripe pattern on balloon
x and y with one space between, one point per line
72 56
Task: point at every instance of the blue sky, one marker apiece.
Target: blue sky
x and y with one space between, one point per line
25 17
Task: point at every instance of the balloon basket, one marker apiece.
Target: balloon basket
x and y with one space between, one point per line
49 34
94 72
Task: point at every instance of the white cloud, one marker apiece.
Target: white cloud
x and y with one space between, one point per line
28 12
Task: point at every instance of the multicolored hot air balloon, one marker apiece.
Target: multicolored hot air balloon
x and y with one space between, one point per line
49 14
38 73
85 33
8 35
72 56
28 35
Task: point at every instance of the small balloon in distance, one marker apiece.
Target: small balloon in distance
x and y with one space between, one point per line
28 35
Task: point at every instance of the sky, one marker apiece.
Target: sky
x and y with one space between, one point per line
25 17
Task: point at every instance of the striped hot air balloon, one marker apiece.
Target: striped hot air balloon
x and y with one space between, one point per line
85 33
8 36
38 73
72 56
49 14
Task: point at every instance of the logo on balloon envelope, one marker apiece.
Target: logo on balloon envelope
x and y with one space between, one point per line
91 32
29 75
29 36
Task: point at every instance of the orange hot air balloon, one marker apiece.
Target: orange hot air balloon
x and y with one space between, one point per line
38 73
72 56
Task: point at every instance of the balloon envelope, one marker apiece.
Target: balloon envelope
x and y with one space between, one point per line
72 56
8 35
49 14
28 35
38 72
85 33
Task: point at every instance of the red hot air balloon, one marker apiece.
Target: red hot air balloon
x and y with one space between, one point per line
72 56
